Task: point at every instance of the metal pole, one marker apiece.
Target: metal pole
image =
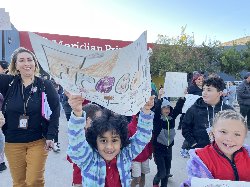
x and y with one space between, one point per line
3 46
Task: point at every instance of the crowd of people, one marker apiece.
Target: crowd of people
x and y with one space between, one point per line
107 149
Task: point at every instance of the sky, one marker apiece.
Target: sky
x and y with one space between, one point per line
222 20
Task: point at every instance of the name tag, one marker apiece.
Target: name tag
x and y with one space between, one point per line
23 122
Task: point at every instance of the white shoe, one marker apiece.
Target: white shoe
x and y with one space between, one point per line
56 147
184 153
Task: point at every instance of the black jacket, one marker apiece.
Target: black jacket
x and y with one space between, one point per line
1 101
67 108
160 125
13 108
194 89
196 122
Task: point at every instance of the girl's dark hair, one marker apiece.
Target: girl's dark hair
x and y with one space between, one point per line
108 122
216 82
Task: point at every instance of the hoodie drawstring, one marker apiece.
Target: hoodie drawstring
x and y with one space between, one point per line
208 116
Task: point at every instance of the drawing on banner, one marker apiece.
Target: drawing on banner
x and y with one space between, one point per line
205 182
102 69
135 83
105 84
123 84
190 100
118 80
175 84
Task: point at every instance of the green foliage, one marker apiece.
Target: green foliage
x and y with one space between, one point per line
180 54
246 57
232 61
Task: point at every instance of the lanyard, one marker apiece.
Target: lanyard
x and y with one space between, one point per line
25 104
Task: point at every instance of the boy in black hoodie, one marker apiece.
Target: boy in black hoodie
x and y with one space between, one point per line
198 119
163 137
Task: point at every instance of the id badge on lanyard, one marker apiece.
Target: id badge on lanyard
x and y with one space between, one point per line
23 122
23 119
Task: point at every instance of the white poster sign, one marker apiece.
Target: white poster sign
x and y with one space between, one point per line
4 20
205 182
190 100
119 79
175 84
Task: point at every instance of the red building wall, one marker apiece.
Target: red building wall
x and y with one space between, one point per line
77 42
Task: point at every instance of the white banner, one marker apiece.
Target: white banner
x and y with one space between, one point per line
4 20
190 100
205 182
175 84
119 79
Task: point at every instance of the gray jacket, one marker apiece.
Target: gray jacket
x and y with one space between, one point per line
243 93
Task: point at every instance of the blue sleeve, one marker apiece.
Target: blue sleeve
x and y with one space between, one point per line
79 150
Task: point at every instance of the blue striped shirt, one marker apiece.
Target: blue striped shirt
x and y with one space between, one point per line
92 165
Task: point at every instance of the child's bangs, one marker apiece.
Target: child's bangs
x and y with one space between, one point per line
114 132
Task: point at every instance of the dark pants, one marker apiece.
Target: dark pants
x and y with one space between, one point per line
56 137
245 111
185 145
163 162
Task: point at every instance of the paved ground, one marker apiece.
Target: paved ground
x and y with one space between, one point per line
59 170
